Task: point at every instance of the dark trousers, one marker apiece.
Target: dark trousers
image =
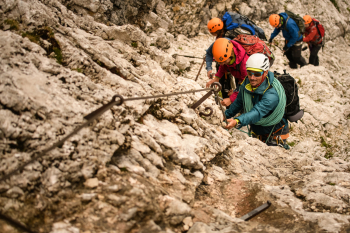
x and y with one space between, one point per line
225 82
294 56
314 49
226 86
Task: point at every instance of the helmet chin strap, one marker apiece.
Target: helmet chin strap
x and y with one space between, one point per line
263 79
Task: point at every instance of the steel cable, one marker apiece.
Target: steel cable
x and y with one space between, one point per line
94 115
89 118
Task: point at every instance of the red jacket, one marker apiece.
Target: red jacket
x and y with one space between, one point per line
240 62
311 34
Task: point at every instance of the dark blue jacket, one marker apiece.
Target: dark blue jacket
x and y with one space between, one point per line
292 32
263 105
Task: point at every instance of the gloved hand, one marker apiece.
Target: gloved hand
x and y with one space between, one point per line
285 48
270 41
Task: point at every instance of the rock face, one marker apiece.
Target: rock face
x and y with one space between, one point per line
155 165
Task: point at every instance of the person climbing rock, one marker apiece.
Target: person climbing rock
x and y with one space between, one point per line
293 37
232 58
216 28
263 100
314 33
231 25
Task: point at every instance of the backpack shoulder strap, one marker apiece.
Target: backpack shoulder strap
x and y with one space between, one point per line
285 26
316 25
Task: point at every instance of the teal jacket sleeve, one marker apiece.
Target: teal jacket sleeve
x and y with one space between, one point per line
235 107
268 102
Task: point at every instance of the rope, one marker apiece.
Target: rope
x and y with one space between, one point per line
277 114
244 131
267 140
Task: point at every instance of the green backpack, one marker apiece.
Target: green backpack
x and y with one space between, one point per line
298 20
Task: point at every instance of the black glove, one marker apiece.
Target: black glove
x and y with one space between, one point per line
270 41
285 48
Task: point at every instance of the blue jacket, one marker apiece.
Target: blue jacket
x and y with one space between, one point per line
209 56
232 23
263 105
292 34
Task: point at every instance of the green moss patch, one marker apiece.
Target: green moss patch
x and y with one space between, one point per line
48 35
58 54
14 25
291 143
334 2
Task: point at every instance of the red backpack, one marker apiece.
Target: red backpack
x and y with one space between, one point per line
253 44
319 27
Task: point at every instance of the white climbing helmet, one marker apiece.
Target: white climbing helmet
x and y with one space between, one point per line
258 61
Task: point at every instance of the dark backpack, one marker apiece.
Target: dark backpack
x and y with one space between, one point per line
292 112
234 21
298 20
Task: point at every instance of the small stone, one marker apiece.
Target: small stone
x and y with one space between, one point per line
4 187
14 192
199 227
114 188
188 221
187 171
91 183
114 168
88 196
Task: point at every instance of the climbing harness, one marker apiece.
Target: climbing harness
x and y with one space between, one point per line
277 140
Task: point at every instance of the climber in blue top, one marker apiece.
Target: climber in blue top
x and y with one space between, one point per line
293 36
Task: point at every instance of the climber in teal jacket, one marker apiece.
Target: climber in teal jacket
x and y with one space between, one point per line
263 100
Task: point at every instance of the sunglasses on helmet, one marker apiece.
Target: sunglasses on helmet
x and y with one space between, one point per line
255 73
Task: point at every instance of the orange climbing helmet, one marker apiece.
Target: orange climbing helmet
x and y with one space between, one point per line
222 49
215 24
307 19
274 20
